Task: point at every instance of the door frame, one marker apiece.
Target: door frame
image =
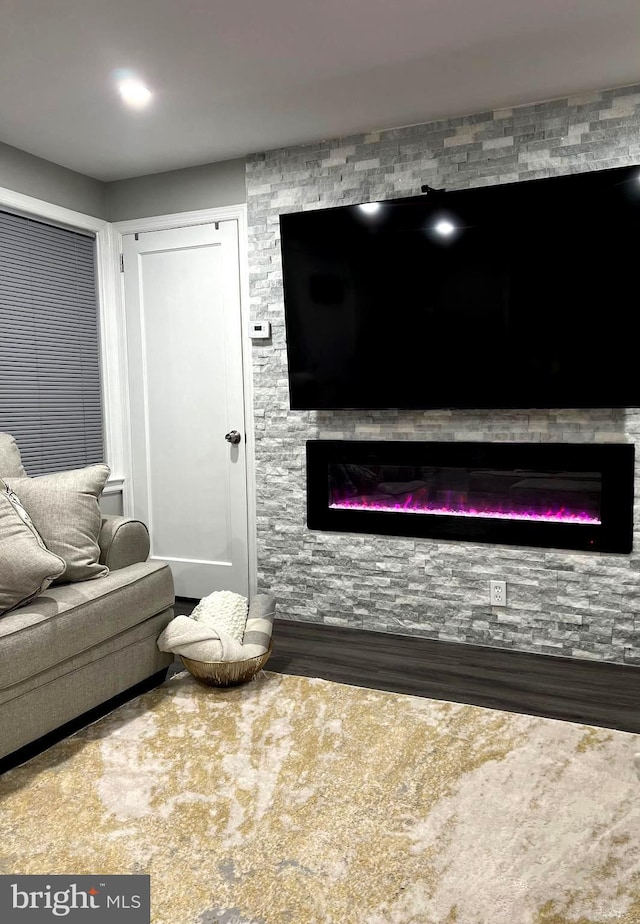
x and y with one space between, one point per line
183 220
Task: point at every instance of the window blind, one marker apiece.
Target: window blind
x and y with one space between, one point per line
50 382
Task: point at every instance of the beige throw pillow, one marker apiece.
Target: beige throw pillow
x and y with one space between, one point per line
10 461
26 566
65 510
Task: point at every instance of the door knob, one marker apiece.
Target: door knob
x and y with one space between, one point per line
233 436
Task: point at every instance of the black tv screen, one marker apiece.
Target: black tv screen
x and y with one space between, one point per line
522 295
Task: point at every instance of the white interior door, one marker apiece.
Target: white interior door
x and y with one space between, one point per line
182 302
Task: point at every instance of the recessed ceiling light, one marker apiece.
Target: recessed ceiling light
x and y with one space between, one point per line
370 207
445 228
134 93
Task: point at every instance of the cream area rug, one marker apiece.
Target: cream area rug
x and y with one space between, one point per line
298 801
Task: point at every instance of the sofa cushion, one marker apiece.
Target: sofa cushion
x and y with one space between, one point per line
71 618
10 461
26 566
64 507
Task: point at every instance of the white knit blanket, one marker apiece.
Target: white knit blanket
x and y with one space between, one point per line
197 640
225 611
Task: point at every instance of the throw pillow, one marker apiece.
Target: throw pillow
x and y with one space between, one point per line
26 566
65 510
10 461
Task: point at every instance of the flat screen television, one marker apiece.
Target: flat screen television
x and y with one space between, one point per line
521 295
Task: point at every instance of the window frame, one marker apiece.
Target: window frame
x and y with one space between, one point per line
111 326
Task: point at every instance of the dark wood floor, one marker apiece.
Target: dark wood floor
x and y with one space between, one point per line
560 688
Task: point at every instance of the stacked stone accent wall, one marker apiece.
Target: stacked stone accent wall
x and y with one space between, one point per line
585 605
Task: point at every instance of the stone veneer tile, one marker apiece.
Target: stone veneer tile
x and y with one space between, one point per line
564 603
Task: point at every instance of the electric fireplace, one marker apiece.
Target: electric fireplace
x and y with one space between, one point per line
554 495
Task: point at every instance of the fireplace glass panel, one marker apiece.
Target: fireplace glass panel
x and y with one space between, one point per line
507 494
542 494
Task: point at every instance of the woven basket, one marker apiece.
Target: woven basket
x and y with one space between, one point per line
226 673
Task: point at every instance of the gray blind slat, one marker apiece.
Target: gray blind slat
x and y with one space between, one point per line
50 383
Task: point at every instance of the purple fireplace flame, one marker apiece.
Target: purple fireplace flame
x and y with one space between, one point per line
482 493
460 509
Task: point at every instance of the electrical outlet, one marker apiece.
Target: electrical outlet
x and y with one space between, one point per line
498 590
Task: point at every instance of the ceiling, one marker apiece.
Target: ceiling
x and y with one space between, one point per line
232 77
